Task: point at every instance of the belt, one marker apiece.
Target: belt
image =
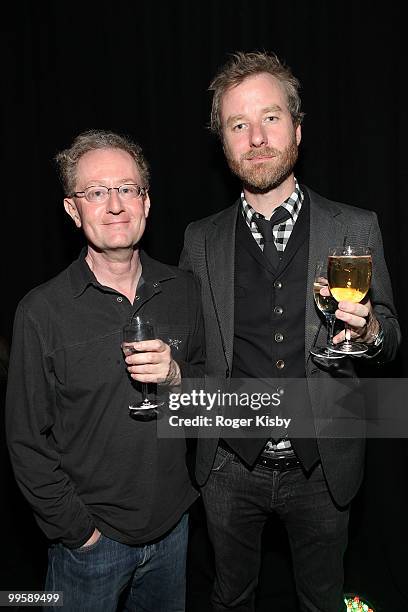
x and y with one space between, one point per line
278 463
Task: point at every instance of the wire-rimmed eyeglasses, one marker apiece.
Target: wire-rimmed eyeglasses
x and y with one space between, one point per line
97 194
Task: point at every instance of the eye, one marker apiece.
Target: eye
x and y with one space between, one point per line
238 127
96 193
271 118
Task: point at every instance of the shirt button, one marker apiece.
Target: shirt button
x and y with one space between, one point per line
278 337
278 310
277 285
280 364
119 299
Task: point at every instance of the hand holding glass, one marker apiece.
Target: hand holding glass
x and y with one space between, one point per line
327 306
138 330
349 273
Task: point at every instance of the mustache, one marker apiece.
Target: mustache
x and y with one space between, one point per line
266 151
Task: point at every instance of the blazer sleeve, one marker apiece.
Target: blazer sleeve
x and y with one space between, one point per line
381 297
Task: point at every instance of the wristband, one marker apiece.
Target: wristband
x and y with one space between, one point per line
378 338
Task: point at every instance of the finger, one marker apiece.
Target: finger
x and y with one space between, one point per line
151 358
145 378
144 370
339 337
156 345
144 358
353 320
154 369
149 373
357 309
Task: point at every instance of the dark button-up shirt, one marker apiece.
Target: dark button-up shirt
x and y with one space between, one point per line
78 457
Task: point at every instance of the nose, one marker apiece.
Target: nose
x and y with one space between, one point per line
114 203
258 135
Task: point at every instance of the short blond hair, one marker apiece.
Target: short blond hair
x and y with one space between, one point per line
242 65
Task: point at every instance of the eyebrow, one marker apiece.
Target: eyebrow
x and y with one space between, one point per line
102 182
272 108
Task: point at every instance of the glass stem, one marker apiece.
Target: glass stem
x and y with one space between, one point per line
347 333
331 319
144 391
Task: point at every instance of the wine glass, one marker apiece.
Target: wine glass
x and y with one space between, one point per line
327 306
349 273
140 328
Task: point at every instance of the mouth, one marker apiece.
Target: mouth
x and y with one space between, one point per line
260 158
117 223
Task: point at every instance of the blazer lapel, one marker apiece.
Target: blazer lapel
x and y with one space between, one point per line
327 229
245 238
220 258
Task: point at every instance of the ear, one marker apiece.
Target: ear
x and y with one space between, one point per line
298 133
72 210
146 205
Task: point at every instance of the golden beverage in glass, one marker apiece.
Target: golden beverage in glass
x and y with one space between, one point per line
349 271
349 277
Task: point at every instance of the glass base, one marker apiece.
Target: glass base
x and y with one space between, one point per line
147 414
349 348
325 351
144 411
145 405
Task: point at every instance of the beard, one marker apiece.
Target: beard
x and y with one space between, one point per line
264 176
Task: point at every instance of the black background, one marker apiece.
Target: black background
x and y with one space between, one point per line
143 68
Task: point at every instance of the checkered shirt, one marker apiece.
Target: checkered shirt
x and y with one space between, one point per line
282 232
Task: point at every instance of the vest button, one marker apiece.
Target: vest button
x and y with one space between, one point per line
277 285
278 337
278 310
280 364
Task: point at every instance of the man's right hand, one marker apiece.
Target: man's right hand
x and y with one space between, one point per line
94 538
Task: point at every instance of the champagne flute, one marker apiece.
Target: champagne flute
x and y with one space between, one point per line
349 273
140 328
327 306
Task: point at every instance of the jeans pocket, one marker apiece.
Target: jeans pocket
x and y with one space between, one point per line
84 549
221 459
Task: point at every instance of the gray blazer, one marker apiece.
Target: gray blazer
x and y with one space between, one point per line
209 249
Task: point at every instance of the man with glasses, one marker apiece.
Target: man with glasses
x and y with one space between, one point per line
108 493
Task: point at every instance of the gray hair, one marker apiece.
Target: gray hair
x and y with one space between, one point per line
91 140
242 65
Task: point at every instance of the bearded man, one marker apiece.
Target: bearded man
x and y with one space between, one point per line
255 262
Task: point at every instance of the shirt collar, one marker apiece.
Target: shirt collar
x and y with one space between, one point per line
82 276
292 204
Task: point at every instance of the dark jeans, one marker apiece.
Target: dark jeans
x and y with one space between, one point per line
92 578
238 502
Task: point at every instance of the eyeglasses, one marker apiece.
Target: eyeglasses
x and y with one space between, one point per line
99 193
